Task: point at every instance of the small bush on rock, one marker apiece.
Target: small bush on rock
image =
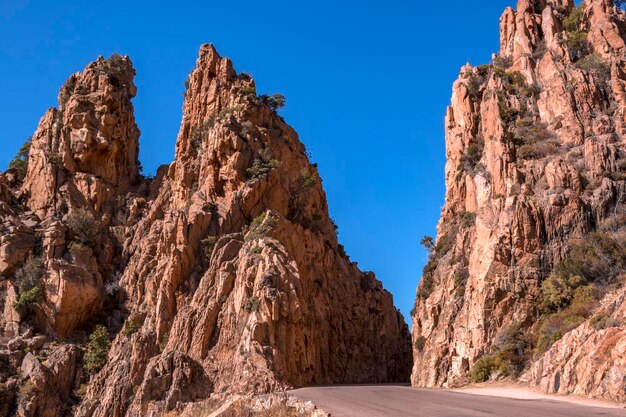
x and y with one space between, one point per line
261 226
262 166
308 179
472 156
27 301
575 38
130 327
420 343
97 349
28 280
82 225
481 371
604 321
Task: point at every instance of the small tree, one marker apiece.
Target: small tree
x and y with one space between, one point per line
97 349
275 101
30 289
428 243
20 162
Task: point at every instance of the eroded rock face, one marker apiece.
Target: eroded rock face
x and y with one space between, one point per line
534 144
236 268
84 154
222 274
590 360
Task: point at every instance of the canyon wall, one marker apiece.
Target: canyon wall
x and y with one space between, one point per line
530 240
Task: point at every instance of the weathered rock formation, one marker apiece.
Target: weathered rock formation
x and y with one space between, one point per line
221 274
536 154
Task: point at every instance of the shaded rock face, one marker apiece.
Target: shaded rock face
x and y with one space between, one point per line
534 146
222 274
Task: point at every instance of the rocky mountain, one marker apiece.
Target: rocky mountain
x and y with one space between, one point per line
124 295
525 277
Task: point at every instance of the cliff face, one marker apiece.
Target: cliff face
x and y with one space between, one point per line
530 240
221 274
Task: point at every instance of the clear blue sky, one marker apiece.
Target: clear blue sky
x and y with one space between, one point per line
367 84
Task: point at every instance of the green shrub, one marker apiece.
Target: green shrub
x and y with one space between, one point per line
474 83
512 348
535 139
557 292
27 390
572 22
261 226
275 102
28 280
308 179
77 249
460 281
467 219
30 274
20 162
482 369
604 321
225 112
575 38
81 391
471 157
82 225
552 327
130 327
502 62
262 166
428 243
526 152
248 91
420 343
198 133
595 64
507 113
511 353
427 282
577 45
97 349
445 242
27 301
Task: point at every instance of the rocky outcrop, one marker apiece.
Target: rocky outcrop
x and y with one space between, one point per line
84 154
535 151
223 274
235 268
589 360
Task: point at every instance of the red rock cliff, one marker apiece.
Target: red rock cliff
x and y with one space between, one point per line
221 274
534 194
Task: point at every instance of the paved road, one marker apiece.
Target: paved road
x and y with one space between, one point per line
402 401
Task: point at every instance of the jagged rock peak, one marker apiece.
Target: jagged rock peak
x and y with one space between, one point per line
90 144
539 24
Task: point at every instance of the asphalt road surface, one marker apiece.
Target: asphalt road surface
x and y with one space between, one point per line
403 401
